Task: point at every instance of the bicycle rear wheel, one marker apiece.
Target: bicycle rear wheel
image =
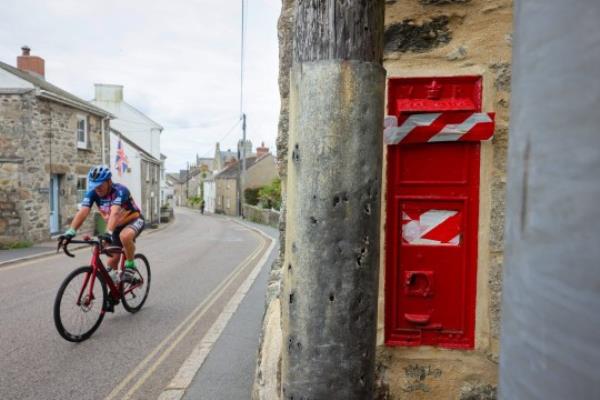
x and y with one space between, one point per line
134 294
77 314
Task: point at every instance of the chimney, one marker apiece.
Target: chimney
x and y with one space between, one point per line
105 92
262 150
32 64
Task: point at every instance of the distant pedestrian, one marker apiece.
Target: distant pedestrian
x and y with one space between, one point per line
202 207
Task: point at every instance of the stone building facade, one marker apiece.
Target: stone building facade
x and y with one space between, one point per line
151 189
260 171
49 139
226 192
425 39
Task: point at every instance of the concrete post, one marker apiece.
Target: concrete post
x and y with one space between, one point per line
329 297
551 296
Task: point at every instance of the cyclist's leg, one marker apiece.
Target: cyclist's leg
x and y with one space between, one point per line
128 235
113 261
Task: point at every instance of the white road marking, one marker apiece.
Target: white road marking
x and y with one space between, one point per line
185 327
184 377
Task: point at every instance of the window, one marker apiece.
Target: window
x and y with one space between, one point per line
228 203
82 134
81 188
147 172
155 172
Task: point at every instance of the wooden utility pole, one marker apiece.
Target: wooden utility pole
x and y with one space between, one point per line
329 299
187 185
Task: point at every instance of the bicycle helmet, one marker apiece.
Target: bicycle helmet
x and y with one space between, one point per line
97 176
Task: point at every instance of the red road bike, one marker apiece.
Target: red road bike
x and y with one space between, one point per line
88 292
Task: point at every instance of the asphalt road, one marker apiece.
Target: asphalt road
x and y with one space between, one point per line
197 263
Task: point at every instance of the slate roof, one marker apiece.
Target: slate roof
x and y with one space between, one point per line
233 170
55 93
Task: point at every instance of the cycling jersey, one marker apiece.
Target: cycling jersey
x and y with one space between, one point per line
118 195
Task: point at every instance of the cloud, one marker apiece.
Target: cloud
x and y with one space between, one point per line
179 61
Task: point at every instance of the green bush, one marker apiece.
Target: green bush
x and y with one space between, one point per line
194 200
251 196
270 195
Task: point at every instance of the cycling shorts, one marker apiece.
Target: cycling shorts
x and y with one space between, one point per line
137 225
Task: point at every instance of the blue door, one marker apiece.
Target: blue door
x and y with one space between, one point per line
54 205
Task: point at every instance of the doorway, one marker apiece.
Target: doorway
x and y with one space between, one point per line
54 204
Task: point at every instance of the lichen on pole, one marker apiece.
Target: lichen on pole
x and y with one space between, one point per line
330 283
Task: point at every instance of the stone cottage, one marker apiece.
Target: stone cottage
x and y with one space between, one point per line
439 297
260 171
49 139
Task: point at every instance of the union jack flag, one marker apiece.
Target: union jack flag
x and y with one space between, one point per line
121 160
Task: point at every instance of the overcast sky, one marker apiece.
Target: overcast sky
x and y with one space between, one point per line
178 60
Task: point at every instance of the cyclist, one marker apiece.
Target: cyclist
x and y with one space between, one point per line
124 220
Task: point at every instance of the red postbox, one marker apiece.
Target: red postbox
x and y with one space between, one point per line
433 135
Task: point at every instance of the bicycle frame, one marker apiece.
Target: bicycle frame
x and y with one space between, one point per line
98 268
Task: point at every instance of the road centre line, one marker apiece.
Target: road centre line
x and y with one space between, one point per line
190 321
184 377
170 349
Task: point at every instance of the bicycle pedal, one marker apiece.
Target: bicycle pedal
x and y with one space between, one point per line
110 305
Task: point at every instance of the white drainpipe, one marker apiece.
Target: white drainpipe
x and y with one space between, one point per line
103 153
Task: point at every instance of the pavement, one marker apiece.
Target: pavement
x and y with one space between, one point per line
35 250
228 371
43 249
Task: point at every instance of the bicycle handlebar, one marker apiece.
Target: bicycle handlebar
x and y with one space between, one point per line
64 241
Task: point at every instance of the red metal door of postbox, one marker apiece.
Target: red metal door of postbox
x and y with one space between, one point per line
432 219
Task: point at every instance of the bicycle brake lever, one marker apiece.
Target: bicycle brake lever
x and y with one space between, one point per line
67 252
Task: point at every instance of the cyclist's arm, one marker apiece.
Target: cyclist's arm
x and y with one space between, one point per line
115 212
80 217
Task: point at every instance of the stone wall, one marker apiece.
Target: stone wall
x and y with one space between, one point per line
267 380
41 136
15 130
425 38
261 215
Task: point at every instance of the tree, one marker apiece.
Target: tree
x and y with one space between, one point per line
270 195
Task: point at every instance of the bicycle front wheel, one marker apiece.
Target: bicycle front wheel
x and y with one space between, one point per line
135 292
77 312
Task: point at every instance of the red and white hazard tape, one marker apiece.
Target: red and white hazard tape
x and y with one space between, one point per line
432 227
438 127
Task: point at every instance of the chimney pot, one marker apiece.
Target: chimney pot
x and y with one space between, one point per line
25 50
262 150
